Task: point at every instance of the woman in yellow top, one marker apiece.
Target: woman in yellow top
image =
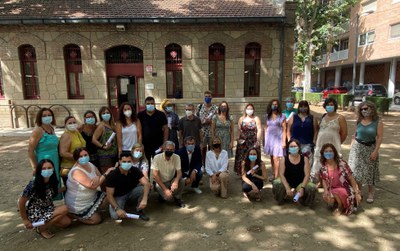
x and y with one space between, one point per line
70 140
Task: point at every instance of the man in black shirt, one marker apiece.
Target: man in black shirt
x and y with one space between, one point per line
122 185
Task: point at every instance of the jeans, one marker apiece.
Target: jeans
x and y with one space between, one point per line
134 195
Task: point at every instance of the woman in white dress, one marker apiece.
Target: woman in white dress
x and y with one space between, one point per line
129 129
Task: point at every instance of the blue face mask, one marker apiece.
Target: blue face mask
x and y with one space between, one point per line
47 173
330 108
252 157
293 149
126 165
190 148
90 121
169 109
137 154
150 108
84 160
106 116
289 106
329 155
207 100
274 107
47 120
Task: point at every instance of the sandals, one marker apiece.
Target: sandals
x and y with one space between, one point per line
336 212
46 234
370 198
257 197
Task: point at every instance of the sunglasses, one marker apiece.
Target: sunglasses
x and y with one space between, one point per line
364 109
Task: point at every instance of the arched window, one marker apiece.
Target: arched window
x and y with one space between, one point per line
252 70
73 71
30 79
173 65
1 83
124 54
216 69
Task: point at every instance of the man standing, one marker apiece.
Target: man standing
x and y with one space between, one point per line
205 112
154 128
189 125
122 185
168 175
190 155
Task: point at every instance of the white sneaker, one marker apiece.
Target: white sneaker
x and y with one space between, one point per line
197 190
203 169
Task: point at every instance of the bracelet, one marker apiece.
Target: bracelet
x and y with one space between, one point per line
104 174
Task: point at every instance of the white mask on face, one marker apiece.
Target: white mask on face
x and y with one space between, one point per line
189 113
72 127
249 112
128 113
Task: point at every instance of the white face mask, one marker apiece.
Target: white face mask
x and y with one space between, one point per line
249 112
128 113
189 113
72 127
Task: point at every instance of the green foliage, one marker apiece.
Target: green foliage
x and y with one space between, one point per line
382 104
342 100
313 98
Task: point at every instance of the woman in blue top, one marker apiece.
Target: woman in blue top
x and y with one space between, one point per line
363 157
303 127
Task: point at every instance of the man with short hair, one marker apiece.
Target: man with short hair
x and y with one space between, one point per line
190 155
189 125
122 185
168 175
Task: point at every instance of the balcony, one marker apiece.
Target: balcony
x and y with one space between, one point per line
336 56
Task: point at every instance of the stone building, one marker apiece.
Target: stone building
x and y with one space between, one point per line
79 55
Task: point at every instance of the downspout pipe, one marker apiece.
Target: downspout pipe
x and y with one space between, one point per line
281 60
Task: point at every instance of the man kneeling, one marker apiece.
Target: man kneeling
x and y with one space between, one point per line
122 185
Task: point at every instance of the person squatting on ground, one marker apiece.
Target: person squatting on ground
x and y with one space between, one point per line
341 191
122 185
365 145
254 174
36 201
294 177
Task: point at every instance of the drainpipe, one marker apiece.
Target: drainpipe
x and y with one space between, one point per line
282 38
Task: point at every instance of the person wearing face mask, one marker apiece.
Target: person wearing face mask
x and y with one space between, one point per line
139 159
36 201
222 126
294 177
341 191
217 169
364 151
191 163
87 130
275 135
154 128
127 183
128 128
83 196
290 110
172 119
167 174
205 112
332 129
105 140
254 174
304 127
70 140
249 135
189 125
43 143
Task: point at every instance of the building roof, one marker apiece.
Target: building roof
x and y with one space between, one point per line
53 11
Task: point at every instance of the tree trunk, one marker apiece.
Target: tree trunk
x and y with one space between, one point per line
307 78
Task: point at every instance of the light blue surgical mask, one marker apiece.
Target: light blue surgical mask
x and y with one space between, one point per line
106 116
90 121
293 149
274 107
169 109
252 157
47 120
126 165
84 160
150 108
329 108
47 173
190 148
329 155
289 105
137 154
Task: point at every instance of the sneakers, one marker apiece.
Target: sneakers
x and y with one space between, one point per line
196 190
142 215
179 203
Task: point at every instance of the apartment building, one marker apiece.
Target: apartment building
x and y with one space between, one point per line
371 41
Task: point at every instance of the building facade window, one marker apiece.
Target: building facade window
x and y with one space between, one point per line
216 69
369 6
341 45
30 80
73 71
395 31
124 54
366 38
173 65
1 83
252 70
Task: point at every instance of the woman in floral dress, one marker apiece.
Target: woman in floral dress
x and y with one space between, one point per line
222 126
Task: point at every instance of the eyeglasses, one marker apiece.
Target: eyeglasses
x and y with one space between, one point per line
364 109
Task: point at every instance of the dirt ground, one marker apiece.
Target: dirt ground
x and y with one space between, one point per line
211 223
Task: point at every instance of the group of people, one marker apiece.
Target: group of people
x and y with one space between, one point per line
112 162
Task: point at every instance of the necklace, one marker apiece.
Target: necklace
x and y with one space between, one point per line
48 131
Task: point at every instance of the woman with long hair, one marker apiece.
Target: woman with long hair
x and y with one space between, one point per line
87 130
129 129
254 174
222 126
